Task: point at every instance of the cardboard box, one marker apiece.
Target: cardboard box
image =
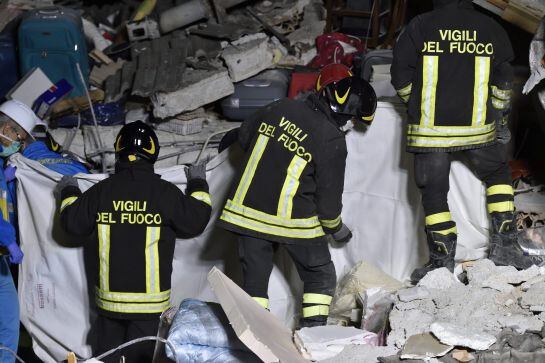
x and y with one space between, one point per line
30 87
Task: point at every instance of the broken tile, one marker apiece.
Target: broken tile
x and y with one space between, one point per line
423 346
458 335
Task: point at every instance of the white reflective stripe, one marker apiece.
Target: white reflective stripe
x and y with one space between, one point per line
203 197
251 167
504 95
405 91
153 284
331 223
68 201
499 104
104 255
429 85
450 130
269 218
135 308
133 296
450 142
480 90
291 184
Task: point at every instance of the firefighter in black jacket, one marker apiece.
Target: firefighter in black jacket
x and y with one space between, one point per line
289 189
452 67
135 217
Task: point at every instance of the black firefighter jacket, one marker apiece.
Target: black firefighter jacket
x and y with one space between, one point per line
135 217
290 186
452 67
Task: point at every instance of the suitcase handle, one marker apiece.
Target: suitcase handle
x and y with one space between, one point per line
49 12
257 83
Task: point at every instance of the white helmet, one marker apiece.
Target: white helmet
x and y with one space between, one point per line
21 114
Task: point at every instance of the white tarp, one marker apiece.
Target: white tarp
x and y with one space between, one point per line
381 206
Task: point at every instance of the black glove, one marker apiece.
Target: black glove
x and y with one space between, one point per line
343 235
503 134
197 171
66 181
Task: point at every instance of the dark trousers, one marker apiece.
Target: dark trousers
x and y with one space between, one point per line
313 263
114 332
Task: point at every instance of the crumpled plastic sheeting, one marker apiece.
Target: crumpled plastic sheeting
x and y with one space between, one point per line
201 333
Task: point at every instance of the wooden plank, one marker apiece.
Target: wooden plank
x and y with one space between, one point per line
520 17
499 3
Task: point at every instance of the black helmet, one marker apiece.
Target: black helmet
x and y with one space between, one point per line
351 98
136 139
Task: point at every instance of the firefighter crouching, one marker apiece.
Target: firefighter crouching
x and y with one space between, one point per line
135 217
288 191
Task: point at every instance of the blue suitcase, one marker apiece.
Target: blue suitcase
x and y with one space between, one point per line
52 39
9 68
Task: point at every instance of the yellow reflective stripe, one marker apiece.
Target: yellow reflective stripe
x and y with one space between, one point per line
406 98
322 299
405 90
331 223
269 218
262 301
104 255
4 205
67 201
291 184
500 189
501 94
480 90
450 141
133 296
251 167
507 206
438 218
133 308
447 231
203 197
419 130
368 118
153 284
258 226
429 86
499 104
315 311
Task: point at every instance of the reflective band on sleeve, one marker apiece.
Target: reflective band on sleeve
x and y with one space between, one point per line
507 206
429 86
438 218
405 98
133 308
322 299
315 310
67 201
251 167
291 184
480 90
203 197
104 255
331 223
262 301
368 118
405 90
500 189
447 231
133 297
504 95
499 104
153 234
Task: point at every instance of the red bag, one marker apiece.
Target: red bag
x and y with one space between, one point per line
336 48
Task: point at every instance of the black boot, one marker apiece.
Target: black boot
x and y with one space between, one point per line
442 251
312 321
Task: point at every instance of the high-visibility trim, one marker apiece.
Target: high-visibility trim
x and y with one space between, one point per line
291 184
480 90
271 219
104 256
133 308
331 223
500 189
502 94
134 297
262 301
251 167
499 104
447 142
438 218
405 98
68 201
258 226
368 118
153 284
315 310
405 90
321 299
203 197
447 231
4 205
507 206
448 131
430 69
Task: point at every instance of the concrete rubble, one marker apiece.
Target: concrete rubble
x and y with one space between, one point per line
458 335
424 346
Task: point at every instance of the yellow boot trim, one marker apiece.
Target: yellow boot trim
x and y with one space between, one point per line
507 206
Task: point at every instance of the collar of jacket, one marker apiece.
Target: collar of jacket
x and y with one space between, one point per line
316 103
138 166
465 4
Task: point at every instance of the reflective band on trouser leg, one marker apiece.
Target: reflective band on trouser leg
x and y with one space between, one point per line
430 68
315 310
499 104
438 218
291 184
262 301
502 94
500 207
480 90
203 197
443 218
67 201
331 223
310 298
500 198
500 189
250 169
153 284
104 256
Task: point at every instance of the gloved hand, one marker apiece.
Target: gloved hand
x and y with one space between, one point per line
9 172
343 235
503 134
197 171
15 253
66 181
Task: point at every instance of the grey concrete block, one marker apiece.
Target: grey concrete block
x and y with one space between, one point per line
248 56
459 335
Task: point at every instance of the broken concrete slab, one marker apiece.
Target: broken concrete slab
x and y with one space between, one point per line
534 297
248 56
362 354
413 293
200 87
459 335
424 346
256 327
440 278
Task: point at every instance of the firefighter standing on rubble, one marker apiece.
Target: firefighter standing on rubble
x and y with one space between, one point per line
451 66
289 189
135 217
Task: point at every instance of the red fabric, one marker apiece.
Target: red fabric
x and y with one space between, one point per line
302 82
330 50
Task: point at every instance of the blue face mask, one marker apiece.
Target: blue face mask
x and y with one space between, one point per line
7 151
